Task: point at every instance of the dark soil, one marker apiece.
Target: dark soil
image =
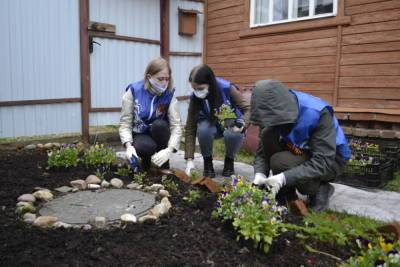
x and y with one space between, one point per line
188 236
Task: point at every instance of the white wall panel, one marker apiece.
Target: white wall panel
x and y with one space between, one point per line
181 67
181 43
114 65
40 119
135 18
104 118
39 49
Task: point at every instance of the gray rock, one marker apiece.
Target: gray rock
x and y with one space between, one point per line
98 222
163 193
62 225
57 145
40 146
105 184
133 186
38 188
48 145
45 221
63 189
93 186
146 218
25 209
79 184
86 227
43 195
30 147
128 218
23 203
166 202
117 183
27 198
156 187
92 179
159 210
29 217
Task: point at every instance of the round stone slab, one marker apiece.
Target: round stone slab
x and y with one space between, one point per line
80 207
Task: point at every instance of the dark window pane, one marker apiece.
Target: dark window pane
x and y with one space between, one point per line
301 8
323 6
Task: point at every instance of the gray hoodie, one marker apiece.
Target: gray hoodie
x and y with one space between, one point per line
272 104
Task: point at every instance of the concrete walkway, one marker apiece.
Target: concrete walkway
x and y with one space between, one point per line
377 204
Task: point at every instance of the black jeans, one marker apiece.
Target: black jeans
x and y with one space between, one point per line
148 144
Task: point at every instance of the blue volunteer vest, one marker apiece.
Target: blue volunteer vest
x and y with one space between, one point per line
224 88
148 107
308 119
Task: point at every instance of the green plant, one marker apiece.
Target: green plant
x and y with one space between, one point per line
100 174
337 228
193 196
63 158
98 155
254 212
379 253
169 184
195 175
225 112
139 177
123 172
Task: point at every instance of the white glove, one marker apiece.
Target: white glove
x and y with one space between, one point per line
259 178
161 156
130 151
275 183
236 129
189 166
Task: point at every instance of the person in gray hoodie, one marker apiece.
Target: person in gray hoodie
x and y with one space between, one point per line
301 142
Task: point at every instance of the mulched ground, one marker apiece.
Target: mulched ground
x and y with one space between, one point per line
188 236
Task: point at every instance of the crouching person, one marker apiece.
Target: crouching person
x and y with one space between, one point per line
150 124
300 141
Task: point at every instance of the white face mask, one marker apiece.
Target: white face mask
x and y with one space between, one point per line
159 88
201 93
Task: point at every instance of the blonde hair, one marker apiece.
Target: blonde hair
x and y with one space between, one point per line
154 67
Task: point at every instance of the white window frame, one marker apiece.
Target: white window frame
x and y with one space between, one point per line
290 13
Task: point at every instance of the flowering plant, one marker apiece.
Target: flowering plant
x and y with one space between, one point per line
382 253
224 113
98 155
254 212
66 156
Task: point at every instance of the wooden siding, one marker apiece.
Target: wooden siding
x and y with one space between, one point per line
355 65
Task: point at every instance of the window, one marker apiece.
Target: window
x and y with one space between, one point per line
267 12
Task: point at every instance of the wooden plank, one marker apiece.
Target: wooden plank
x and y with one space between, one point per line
364 48
224 20
360 2
281 38
235 10
337 65
124 38
372 27
307 87
185 54
370 70
110 109
275 70
370 81
306 62
370 93
309 52
101 27
370 58
326 42
164 28
369 103
368 110
374 37
366 8
213 6
229 36
298 26
225 28
286 78
39 102
84 67
378 16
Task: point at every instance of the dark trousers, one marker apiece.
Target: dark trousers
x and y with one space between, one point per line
280 159
149 143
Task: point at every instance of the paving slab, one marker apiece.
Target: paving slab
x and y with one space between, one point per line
80 207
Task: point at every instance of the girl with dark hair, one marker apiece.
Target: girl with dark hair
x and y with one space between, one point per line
210 93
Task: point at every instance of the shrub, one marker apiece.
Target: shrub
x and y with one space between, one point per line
98 155
254 212
64 157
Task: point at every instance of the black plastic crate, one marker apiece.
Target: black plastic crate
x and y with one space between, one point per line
373 175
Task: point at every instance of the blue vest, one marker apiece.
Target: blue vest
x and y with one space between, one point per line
148 107
224 88
308 119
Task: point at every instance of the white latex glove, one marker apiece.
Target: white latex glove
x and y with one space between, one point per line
189 166
236 129
275 183
161 156
259 178
130 151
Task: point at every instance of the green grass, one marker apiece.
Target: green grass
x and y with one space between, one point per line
394 185
219 153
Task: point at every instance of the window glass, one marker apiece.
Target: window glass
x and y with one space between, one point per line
281 8
323 6
301 8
